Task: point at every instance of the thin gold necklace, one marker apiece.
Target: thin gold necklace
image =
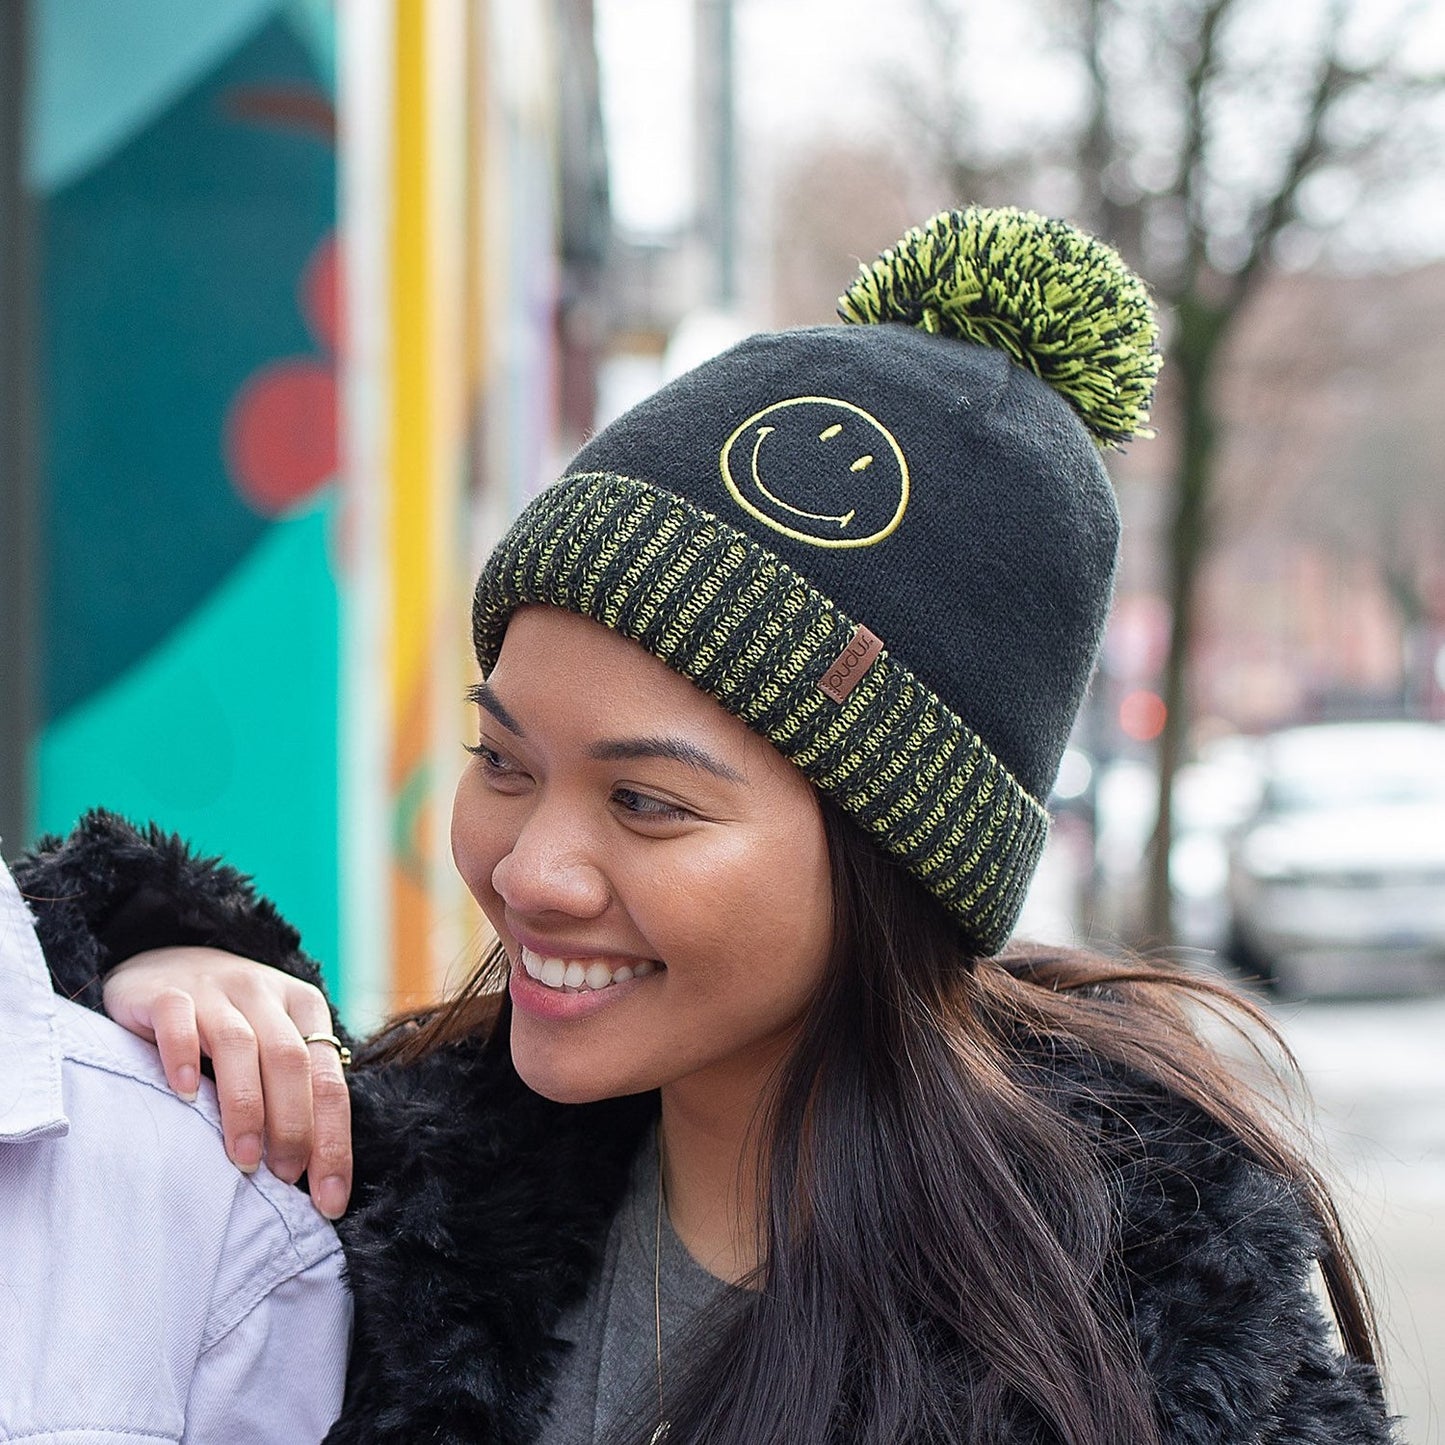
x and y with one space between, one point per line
660 1433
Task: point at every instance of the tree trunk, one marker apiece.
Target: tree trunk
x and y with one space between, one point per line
1200 329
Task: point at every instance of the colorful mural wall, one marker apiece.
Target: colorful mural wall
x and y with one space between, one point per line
296 303
183 159
453 287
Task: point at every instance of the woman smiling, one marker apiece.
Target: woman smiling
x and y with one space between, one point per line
749 1128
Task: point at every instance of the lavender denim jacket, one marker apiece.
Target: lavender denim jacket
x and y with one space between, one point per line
149 1291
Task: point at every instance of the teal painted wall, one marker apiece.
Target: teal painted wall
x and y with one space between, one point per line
184 162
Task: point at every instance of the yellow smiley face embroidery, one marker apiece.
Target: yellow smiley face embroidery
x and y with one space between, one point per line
819 470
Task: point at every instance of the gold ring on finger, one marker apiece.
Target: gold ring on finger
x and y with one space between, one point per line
342 1052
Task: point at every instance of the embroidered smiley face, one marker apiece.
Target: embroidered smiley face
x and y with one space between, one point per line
819 470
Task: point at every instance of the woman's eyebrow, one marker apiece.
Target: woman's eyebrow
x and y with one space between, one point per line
483 695
677 749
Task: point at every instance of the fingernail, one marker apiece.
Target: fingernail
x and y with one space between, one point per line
331 1197
188 1084
248 1153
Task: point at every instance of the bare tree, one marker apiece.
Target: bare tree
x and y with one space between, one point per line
1336 438
1205 137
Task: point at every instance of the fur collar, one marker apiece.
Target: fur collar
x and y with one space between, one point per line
490 1217
481 1219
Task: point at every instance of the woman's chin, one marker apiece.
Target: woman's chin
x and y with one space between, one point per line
562 1080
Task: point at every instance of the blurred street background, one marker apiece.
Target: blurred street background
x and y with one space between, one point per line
301 300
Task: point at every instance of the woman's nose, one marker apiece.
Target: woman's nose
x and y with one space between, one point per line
550 869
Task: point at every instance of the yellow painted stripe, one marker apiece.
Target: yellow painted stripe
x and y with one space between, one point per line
410 522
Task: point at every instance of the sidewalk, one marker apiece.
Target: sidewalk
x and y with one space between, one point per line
1377 1071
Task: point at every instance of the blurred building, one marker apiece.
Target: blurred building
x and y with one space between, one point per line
299 305
1324 595
1331 571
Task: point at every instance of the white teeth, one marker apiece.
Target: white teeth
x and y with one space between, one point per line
573 975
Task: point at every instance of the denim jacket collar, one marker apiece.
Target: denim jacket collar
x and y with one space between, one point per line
31 1102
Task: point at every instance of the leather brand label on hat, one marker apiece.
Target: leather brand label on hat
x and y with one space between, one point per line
819 470
850 665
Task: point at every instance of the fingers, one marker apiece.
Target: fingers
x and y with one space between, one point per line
286 1080
279 1097
328 1169
264 1078
173 1024
232 1043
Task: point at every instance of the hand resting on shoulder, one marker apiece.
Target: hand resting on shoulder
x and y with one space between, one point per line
278 1095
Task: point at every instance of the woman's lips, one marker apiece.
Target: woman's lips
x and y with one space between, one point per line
575 974
585 983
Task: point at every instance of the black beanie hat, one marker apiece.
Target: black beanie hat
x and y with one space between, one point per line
888 548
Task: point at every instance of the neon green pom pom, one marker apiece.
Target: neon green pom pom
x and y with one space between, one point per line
1056 300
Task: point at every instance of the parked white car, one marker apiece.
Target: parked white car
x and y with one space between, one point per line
1337 881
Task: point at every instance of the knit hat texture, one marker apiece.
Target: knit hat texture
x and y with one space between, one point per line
886 546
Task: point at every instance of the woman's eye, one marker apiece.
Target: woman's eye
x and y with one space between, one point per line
640 805
494 764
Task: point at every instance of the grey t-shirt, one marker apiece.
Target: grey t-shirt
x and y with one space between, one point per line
612 1365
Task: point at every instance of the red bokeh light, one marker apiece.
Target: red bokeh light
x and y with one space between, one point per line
1142 715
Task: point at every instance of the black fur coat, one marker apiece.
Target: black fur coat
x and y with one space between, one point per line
480 1209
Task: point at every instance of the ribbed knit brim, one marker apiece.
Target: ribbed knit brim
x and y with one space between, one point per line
749 630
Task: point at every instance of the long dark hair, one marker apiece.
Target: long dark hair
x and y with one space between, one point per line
935 1231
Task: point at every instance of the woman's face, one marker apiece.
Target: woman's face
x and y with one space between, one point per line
657 873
